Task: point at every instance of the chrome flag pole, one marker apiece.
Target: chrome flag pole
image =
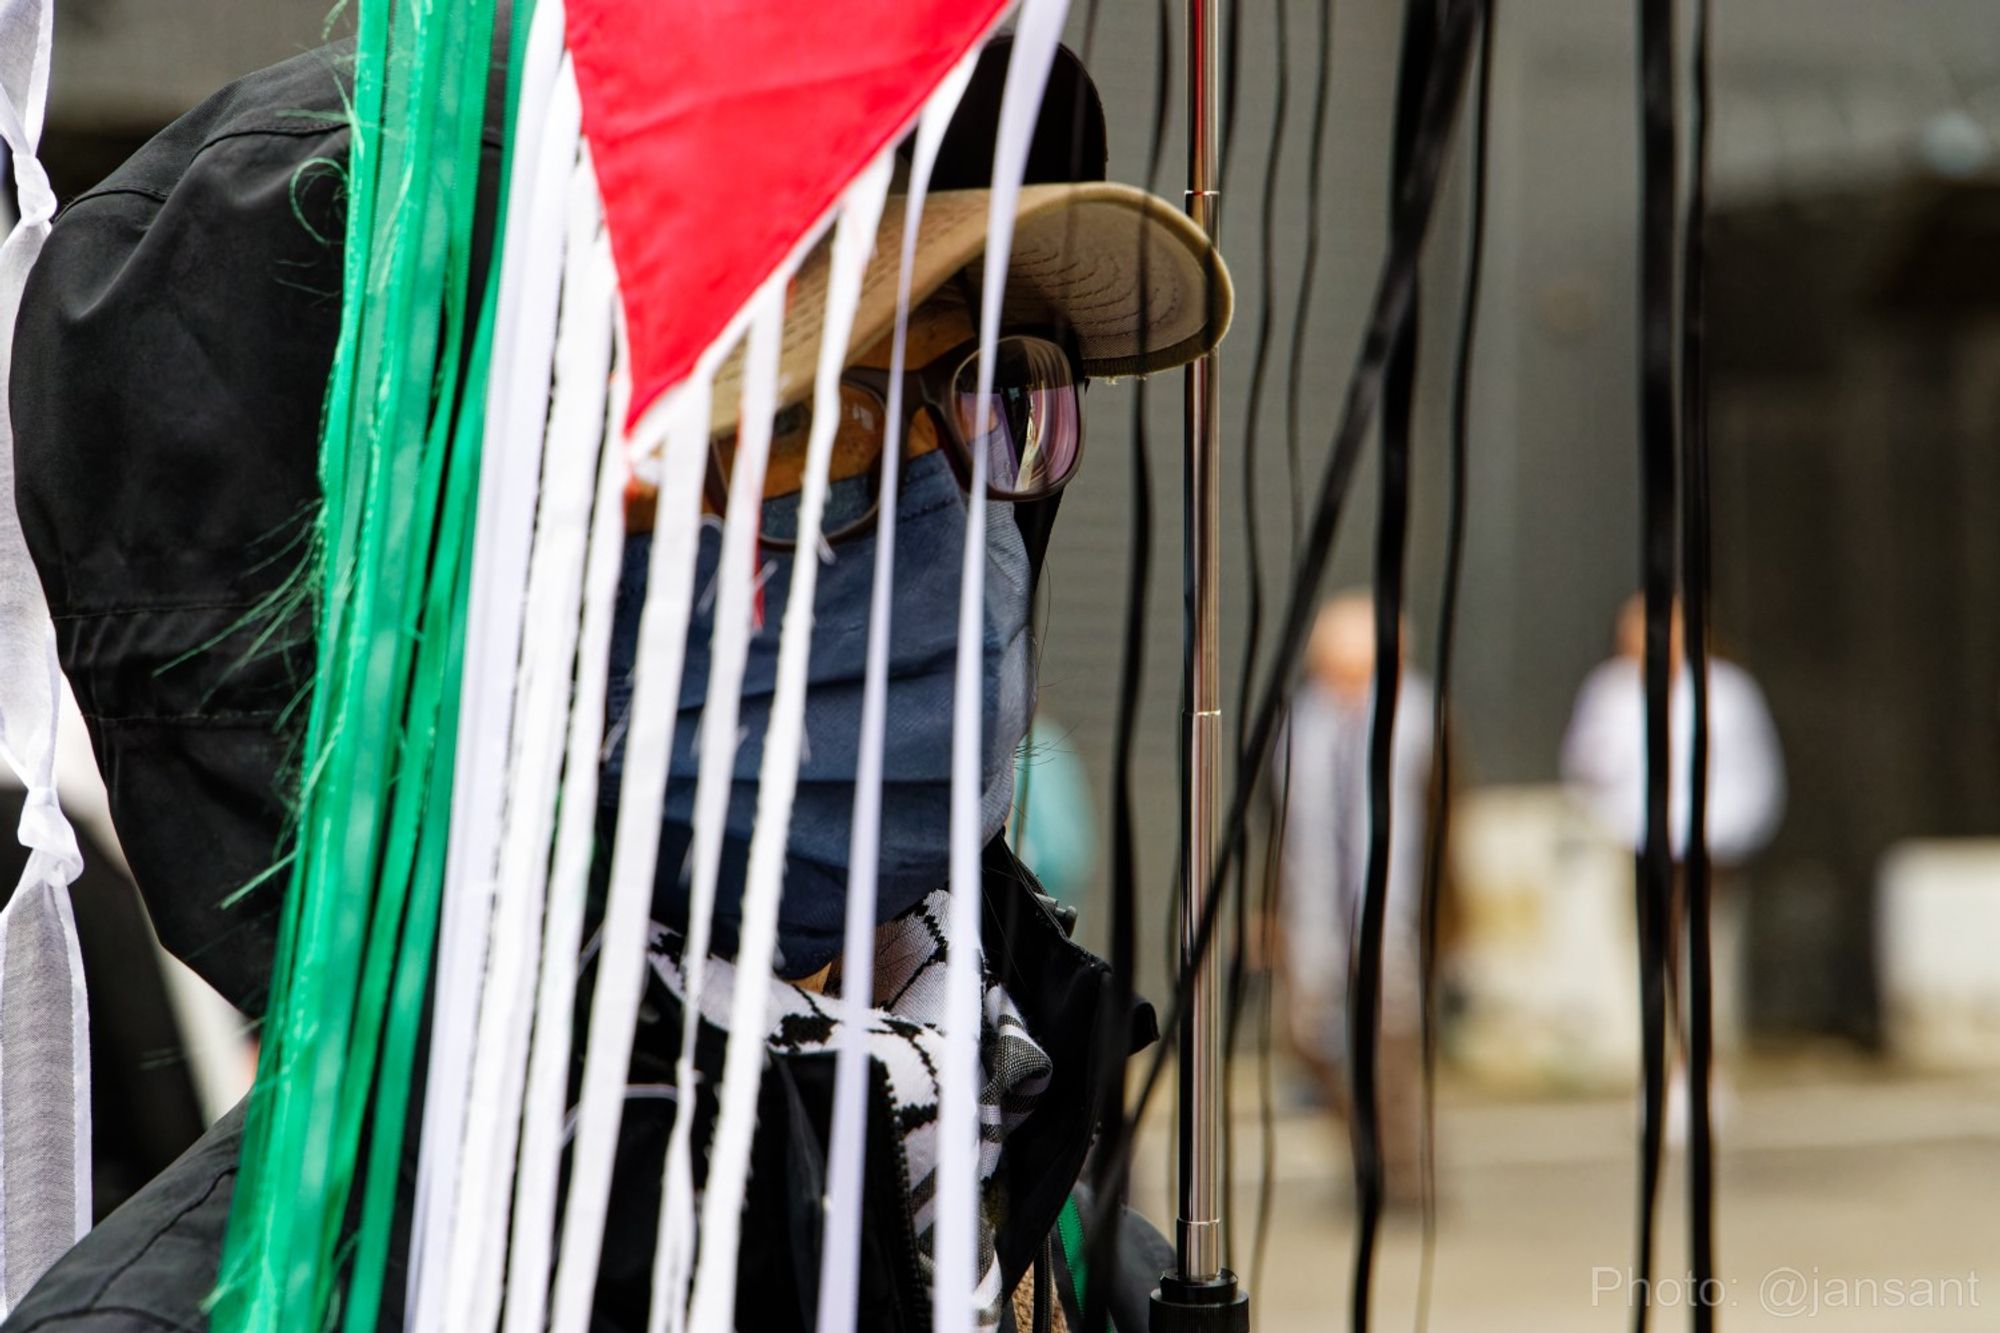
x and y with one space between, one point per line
1200 1293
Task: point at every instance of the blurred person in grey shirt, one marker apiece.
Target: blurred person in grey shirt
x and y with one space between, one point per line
1322 776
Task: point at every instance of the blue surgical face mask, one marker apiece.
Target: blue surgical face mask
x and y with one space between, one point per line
916 764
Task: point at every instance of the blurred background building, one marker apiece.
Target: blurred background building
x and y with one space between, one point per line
1853 279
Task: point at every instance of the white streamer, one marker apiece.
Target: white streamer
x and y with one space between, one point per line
517 405
545 1108
674 1251
44 1022
840 1238
649 739
955 1243
572 444
743 1060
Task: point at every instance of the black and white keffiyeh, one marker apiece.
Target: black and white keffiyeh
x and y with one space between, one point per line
904 1038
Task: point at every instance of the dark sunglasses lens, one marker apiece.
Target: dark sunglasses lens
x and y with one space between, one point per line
1031 424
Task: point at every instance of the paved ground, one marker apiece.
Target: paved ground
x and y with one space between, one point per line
1849 1200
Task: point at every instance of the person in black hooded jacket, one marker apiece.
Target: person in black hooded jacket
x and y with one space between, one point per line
170 363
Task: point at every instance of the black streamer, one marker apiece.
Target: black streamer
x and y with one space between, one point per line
1260 360
1656 564
1694 597
1392 298
1364 999
1308 266
1116 1131
1236 874
1109 1114
1438 829
1267 1130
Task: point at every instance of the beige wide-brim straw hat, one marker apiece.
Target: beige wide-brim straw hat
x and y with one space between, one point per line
1076 263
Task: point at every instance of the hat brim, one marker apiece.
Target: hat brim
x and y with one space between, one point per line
1076 263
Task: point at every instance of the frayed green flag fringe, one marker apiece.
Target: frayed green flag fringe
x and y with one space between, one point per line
399 474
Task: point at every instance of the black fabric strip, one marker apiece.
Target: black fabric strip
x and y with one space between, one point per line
1250 765
1267 1136
1656 564
1044 1299
1114 1027
1364 999
1437 830
1253 601
1308 270
1392 298
1694 597
1259 914
1235 878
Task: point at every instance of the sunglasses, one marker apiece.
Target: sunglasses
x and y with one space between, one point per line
1033 437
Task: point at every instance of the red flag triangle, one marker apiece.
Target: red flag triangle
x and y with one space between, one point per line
722 130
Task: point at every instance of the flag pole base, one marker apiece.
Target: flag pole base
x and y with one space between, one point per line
1214 1306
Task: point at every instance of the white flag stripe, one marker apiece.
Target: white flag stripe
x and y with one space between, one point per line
743 1061
728 656
545 1108
955 1238
840 1243
574 441
516 405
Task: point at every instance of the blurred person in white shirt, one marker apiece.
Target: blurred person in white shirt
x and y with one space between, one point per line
1604 754
1604 767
